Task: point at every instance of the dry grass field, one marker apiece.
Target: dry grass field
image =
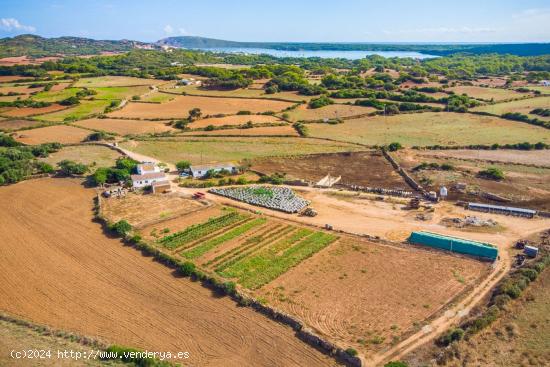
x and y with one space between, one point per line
62 271
140 210
257 131
91 155
29 111
10 125
59 133
115 81
180 106
11 78
209 150
255 92
335 111
534 157
431 128
522 106
496 94
368 295
125 127
234 120
359 168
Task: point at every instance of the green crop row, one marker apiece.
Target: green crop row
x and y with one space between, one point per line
250 246
197 231
255 271
216 241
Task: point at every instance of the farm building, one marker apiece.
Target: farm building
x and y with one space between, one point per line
160 187
454 244
148 179
507 210
201 171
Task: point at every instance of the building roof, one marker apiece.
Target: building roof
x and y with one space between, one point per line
148 176
207 167
146 166
498 207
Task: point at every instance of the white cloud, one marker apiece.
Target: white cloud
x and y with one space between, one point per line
182 31
168 29
12 24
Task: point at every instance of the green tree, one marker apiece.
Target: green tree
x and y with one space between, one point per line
183 165
395 146
70 168
122 227
195 114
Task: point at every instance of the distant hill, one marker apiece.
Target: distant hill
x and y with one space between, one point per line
36 46
521 49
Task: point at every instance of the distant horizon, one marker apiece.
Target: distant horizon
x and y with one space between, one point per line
298 42
320 21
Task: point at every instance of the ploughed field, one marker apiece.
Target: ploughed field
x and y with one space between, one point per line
367 168
59 269
125 127
59 133
179 107
352 291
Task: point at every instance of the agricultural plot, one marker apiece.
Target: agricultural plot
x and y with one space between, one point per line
59 133
256 131
205 150
85 108
12 88
52 243
524 106
368 295
234 120
30 111
56 96
142 210
530 157
157 97
91 155
523 185
335 111
115 81
487 94
11 124
241 93
271 197
368 168
118 93
179 107
126 127
431 128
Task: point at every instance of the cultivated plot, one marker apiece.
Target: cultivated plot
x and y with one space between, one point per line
126 127
59 133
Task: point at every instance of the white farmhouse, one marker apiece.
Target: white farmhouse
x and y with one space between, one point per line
200 171
149 174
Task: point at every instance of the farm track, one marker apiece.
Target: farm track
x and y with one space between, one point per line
59 269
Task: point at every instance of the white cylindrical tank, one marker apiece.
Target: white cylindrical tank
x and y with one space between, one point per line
443 192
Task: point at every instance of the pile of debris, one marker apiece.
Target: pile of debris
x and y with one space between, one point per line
277 198
469 221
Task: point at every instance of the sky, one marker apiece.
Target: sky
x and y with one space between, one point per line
283 20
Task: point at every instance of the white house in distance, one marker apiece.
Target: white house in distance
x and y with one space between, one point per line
200 171
149 174
545 83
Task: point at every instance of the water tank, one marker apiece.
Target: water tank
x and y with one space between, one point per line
443 192
531 251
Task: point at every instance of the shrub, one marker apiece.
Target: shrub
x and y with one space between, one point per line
352 352
71 101
531 274
320 102
396 364
187 268
122 228
70 168
451 336
395 146
230 288
492 173
183 165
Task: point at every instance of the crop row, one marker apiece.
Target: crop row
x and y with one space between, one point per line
198 231
252 246
254 238
204 247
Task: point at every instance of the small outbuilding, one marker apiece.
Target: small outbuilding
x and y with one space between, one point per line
202 170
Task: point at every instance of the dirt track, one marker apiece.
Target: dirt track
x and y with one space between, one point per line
59 269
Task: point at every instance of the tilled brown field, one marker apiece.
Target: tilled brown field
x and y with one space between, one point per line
179 107
59 269
16 124
285 130
59 133
367 295
29 111
234 120
359 168
125 127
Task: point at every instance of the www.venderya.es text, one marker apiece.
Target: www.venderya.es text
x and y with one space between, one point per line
77 355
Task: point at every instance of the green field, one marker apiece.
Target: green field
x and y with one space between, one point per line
57 96
205 150
247 93
119 92
80 111
522 106
431 128
114 81
158 97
